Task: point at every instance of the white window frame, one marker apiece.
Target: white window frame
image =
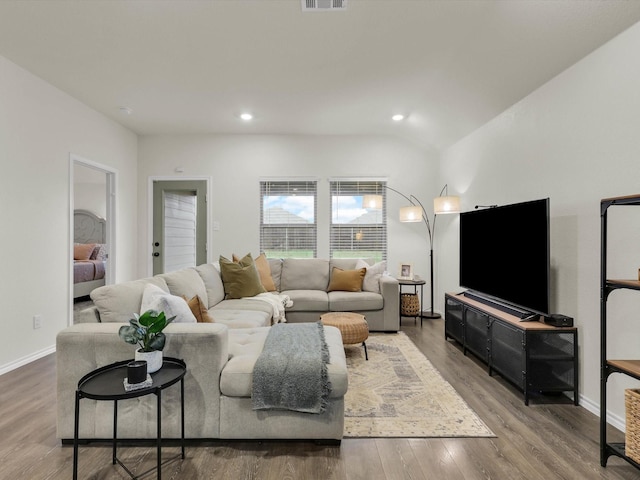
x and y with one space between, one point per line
287 229
361 238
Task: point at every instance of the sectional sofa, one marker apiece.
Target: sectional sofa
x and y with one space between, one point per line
220 356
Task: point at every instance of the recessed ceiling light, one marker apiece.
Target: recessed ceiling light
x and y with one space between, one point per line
397 117
125 110
246 116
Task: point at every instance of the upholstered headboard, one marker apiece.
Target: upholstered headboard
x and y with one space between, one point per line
88 227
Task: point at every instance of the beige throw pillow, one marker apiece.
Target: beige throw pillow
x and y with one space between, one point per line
346 280
240 279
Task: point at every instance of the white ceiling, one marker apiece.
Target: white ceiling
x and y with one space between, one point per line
194 66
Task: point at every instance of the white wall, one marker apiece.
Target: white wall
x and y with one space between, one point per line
90 190
576 141
39 127
236 163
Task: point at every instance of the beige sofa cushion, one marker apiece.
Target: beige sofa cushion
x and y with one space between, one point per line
118 303
355 301
243 304
304 274
245 346
275 265
240 318
308 300
212 282
186 283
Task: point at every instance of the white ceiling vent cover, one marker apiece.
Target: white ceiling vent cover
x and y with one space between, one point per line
323 5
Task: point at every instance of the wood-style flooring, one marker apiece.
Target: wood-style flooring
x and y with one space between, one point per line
539 442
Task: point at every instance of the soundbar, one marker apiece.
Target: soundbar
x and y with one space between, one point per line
523 315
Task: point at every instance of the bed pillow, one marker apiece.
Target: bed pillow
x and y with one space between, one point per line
99 253
371 282
83 251
346 280
240 280
154 298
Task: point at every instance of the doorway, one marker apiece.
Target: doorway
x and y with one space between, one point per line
179 224
92 199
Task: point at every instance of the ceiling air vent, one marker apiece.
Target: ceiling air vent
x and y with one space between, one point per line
323 5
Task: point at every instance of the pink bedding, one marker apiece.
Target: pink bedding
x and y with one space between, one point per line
87 270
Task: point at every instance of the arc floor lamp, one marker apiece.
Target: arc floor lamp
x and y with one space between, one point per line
442 204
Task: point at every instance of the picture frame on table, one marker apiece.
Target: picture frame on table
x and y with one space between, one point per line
406 271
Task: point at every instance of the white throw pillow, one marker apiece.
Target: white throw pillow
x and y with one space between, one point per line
154 298
371 282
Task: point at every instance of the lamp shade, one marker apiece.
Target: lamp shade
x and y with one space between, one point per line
450 204
373 202
411 214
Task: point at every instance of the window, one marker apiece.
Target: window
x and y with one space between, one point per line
288 222
357 231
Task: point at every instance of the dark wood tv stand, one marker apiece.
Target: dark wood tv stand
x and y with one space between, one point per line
533 356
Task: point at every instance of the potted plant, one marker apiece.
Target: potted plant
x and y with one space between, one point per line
146 331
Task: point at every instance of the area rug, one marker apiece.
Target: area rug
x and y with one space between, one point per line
399 393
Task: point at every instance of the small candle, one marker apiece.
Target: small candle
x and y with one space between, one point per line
136 371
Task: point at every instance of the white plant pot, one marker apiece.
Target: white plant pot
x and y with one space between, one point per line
153 359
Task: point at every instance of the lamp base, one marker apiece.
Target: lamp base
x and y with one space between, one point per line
430 315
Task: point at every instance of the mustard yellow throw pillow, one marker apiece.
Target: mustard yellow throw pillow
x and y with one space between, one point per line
240 279
346 280
199 309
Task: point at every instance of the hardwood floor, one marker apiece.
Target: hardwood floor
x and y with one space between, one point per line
541 441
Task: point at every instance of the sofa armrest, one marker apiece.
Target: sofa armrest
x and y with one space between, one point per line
82 348
389 290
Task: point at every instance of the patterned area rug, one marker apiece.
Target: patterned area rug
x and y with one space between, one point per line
399 393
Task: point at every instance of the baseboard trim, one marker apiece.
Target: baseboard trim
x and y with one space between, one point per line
26 360
613 419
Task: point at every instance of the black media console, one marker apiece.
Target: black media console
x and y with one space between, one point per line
535 357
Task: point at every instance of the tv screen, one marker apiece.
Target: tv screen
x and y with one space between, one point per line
504 254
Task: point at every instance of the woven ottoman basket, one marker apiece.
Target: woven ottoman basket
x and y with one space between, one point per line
353 327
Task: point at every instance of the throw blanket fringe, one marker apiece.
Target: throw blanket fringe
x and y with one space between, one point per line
291 372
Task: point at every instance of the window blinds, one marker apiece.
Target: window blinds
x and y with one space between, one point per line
288 218
357 232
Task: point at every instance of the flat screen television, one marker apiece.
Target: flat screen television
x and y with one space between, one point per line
504 255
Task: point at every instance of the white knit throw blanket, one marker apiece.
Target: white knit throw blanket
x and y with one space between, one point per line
277 301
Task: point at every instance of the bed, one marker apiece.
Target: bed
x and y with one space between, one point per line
89 252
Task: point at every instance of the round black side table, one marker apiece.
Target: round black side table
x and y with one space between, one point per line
404 282
106 383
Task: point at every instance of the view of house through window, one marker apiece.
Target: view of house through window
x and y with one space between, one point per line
356 231
288 222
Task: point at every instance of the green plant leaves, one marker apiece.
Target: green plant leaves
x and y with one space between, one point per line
146 330
129 334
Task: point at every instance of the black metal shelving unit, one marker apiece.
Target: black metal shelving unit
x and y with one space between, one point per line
630 368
